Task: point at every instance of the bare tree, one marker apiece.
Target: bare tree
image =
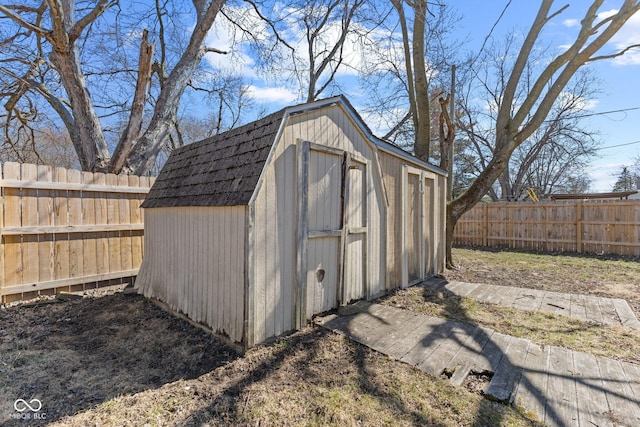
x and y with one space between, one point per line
517 119
48 43
407 65
315 38
557 150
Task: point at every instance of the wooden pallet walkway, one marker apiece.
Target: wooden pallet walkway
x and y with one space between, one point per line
562 387
610 311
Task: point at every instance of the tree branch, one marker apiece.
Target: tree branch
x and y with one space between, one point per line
613 55
17 19
80 25
214 50
132 131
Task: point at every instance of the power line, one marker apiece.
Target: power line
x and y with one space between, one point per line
618 145
622 110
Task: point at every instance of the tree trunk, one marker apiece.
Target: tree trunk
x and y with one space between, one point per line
143 154
481 186
422 146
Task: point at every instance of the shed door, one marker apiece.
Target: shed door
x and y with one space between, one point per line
355 225
332 229
324 238
418 247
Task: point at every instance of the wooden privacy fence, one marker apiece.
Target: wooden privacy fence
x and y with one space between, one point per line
609 227
67 230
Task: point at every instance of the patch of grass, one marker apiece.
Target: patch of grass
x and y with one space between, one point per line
541 328
613 277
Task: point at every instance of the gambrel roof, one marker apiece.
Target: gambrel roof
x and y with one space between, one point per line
219 171
225 169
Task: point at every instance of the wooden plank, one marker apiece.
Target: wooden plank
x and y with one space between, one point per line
593 409
441 357
135 218
102 239
10 290
303 230
493 352
527 299
507 296
70 229
89 237
46 248
113 217
419 333
126 262
620 395
404 322
462 288
76 264
480 292
592 309
625 314
12 218
578 307
633 374
561 408
369 327
61 219
429 343
70 186
531 393
30 252
556 303
469 355
2 246
609 315
508 372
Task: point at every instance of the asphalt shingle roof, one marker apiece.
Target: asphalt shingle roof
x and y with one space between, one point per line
219 171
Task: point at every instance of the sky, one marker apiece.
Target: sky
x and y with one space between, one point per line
619 130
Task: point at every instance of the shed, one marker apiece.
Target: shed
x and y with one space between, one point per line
254 231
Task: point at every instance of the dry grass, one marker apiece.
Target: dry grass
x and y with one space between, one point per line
541 328
613 277
119 360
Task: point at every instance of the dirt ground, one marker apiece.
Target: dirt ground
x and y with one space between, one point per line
120 360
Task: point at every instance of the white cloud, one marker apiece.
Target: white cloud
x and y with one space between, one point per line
607 14
604 175
224 36
271 94
628 35
577 103
570 23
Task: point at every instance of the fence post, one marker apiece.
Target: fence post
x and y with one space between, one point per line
579 226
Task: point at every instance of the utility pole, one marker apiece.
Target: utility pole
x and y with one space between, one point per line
451 116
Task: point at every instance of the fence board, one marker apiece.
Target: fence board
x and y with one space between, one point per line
102 249
12 218
46 248
611 226
89 239
67 230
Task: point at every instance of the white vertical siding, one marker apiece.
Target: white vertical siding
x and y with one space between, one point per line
434 209
194 262
276 210
274 259
333 127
